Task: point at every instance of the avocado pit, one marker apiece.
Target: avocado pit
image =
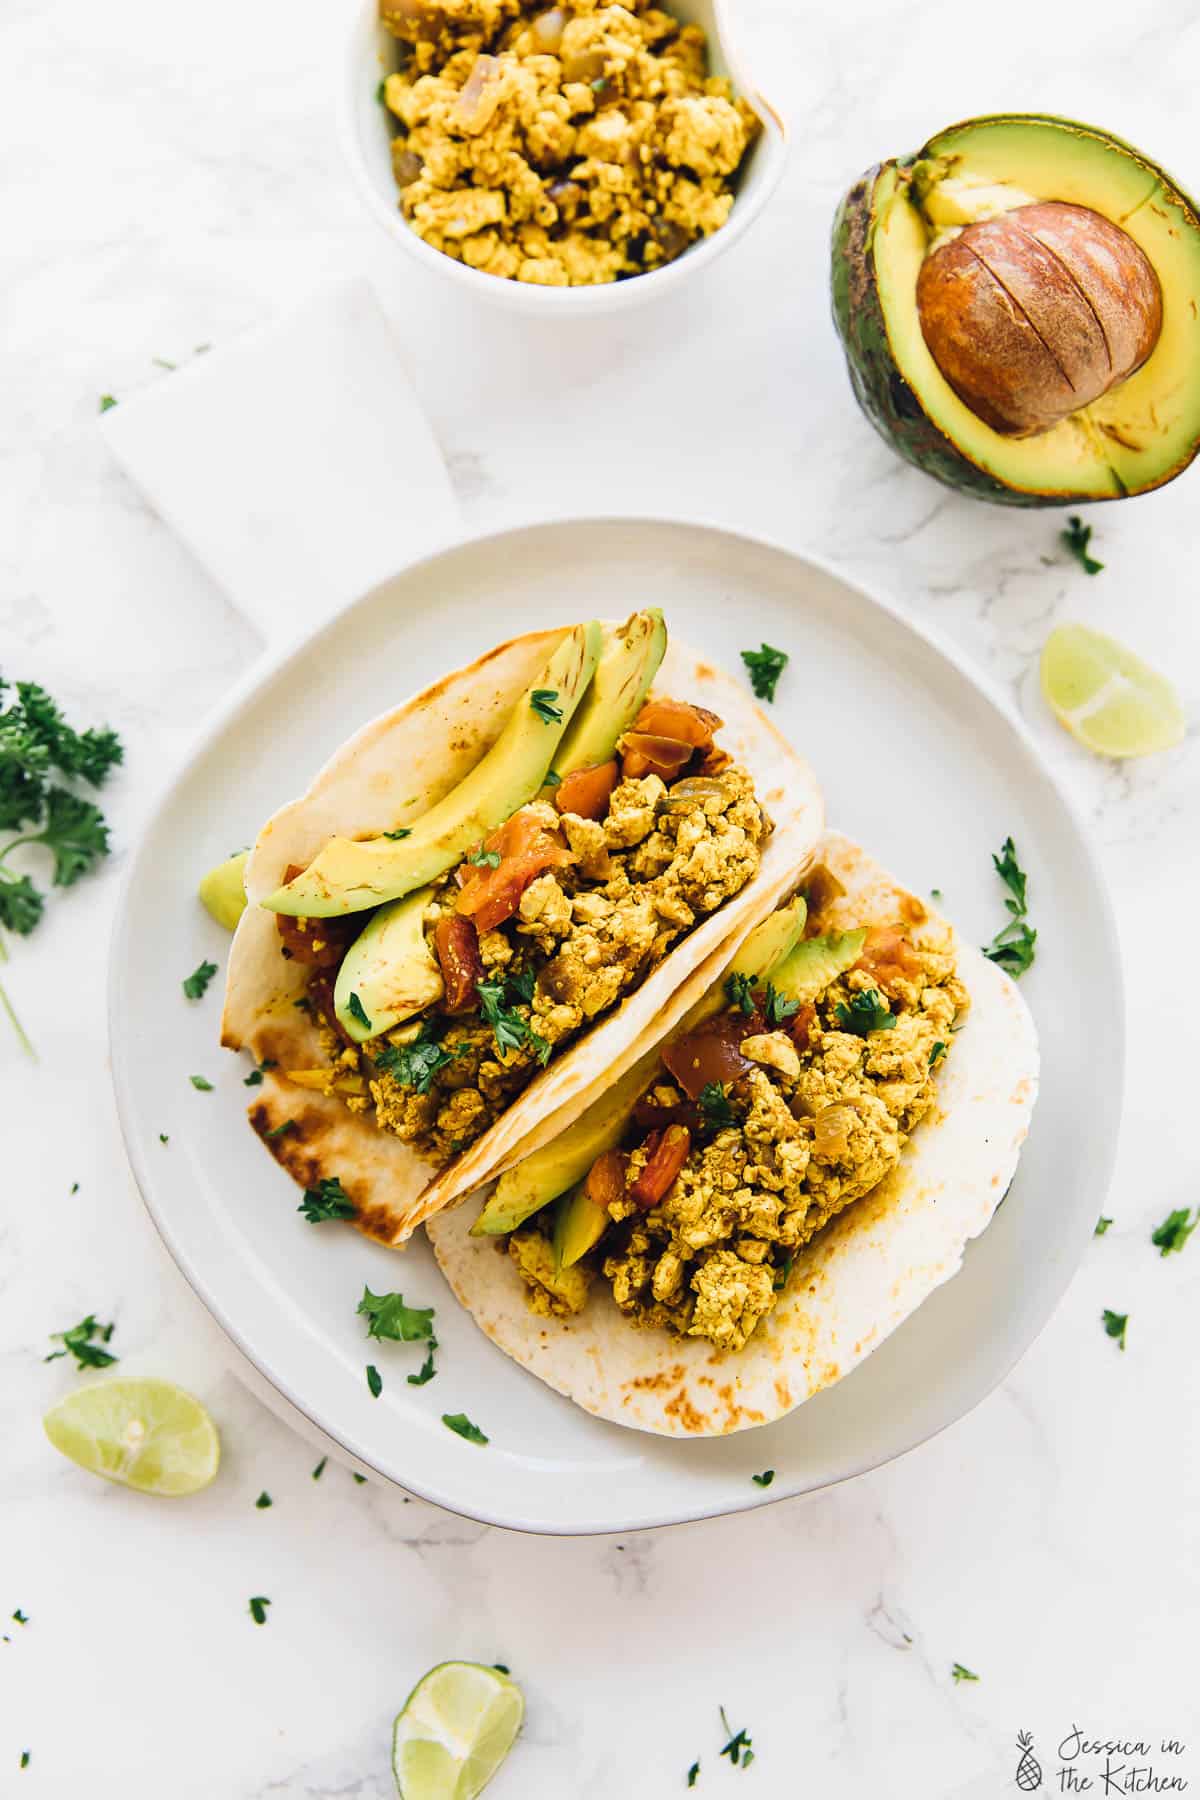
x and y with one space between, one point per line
1038 312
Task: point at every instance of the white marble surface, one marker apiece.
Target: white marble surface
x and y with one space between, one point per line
172 178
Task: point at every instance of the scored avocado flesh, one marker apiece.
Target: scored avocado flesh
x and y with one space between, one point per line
350 875
1136 436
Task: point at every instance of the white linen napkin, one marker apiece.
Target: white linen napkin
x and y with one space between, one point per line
295 462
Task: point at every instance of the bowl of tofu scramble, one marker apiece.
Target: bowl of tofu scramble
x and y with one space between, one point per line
551 155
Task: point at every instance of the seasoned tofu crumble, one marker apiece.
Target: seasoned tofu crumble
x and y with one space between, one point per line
564 146
820 1117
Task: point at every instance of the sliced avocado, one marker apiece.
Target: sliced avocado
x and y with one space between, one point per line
543 1176
579 1224
560 1164
389 972
223 890
628 664
1140 434
812 965
350 875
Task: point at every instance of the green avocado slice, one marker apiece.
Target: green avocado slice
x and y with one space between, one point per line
1139 435
813 964
627 666
565 1160
389 972
350 875
579 1224
223 890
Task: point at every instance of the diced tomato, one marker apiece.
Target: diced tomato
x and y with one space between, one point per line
586 792
692 725
605 1183
711 1053
456 942
645 754
321 943
888 958
525 848
666 1159
801 1025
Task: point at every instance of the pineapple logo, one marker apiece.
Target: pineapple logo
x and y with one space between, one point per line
1029 1769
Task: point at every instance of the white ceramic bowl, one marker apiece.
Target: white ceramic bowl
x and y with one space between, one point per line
366 136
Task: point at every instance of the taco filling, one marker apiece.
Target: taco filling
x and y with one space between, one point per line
789 1094
440 1006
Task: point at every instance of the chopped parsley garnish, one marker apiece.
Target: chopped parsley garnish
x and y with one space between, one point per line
739 990
401 831
417 1065
24 1759
106 403
777 1006
1013 947
380 91
460 1423
254 1078
388 1317
163 1138
160 362
278 1130
201 1083
1115 1325
553 779
738 1745
35 743
937 1053
1175 1230
963 1674
764 667
509 1029
79 1343
328 1200
361 1479
782 1274
20 1618
503 1668
263 1501
542 701
866 1012
522 985
374 1380
1077 537
714 1104
427 1371
692 1773
74 1187
1102 1225
485 859
357 1010
765 1479
320 1469
258 1608
197 982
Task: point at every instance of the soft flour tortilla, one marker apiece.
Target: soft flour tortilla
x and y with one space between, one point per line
391 772
851 1286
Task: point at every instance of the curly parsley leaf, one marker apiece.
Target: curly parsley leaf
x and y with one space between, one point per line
328 1200
106 403
21 905
81 1343
1012 875
739 991
374 1381
509 1029
416 1065
764 667
937 1053
1014 946
1115 1324
427 1371
865 1013
765 1479
714 1104
542 701
460 1423
196 984
1102 1225
358 1011
388 1317
1175 1230
1076 538
777 1006
737 1747
963 1674
258 1608
263 1501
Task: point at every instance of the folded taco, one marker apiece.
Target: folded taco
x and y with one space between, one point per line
493 892
772 1186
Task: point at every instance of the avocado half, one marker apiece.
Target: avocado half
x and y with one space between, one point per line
1138 436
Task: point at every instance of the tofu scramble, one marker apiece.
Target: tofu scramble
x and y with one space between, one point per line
721 1185
565 146
556 917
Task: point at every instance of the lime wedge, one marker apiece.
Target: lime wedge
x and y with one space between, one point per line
454 1730
149 1435
1106 696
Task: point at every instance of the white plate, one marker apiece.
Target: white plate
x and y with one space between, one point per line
917 761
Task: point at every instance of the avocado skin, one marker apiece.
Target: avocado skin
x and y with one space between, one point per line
887 399
223 891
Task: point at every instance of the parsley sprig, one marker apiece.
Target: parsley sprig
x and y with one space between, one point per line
1076 538
417 1065
737 1745
80 1342
36 742
510 1030
764 667
542 701
328 1200
388 1317
865 1013
1175 1230
714 1104
1013 946
739 991
1115 1324
459 1422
